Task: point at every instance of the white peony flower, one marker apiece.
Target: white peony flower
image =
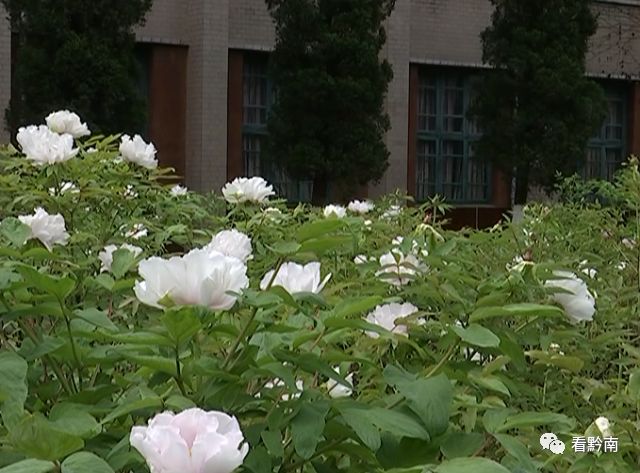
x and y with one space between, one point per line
337 390
137 151
386 315
64 188
106 255
243 189
392 212
360 207
591 272
178 190
278 383
629 242
415 247
273 214
231 243
68 122
337 211
138 231
554 347
43 146
198 278
193 441
604 426
362 259
398 269
129 192
297 278
368 223
49 229
577 301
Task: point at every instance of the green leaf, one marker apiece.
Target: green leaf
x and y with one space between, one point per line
286 248
57 287
158 363
96 317
13 387
15 231
396 422
30 351
489 382
517 450
477 335
311 363
129 407
318 228
319 246
36 437
29 466
139 338
468 465
85 462
72 419
364 428
307 427
429 398
460 444
273 441
123 261
182 324
7 278
534 419
634 385
178 403
355 306
516 310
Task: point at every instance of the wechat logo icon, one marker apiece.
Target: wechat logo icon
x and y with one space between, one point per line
549 441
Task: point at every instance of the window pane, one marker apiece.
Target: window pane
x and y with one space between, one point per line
251 148
427 108
478 180
613 160
426 169
452 168
255 92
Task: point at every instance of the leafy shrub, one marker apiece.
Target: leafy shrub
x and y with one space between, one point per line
435 352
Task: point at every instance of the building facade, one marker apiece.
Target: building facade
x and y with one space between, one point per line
209 95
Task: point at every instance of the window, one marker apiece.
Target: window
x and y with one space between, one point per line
257 100
606 149
445 161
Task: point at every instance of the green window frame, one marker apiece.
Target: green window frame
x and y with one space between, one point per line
445 163
607 149
258 98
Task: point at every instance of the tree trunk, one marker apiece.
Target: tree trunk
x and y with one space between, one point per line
319 194
522 184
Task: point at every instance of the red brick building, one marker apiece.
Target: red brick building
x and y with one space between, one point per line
209 96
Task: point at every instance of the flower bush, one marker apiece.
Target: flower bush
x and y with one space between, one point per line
145 328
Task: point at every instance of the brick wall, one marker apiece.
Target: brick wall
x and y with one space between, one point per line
5 72
251 25
165 23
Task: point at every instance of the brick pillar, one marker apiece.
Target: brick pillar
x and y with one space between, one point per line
634 119
5 72
168 104
235 161
208 34
396 51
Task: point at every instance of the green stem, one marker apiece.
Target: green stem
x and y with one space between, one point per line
47 359
179 380
245 329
